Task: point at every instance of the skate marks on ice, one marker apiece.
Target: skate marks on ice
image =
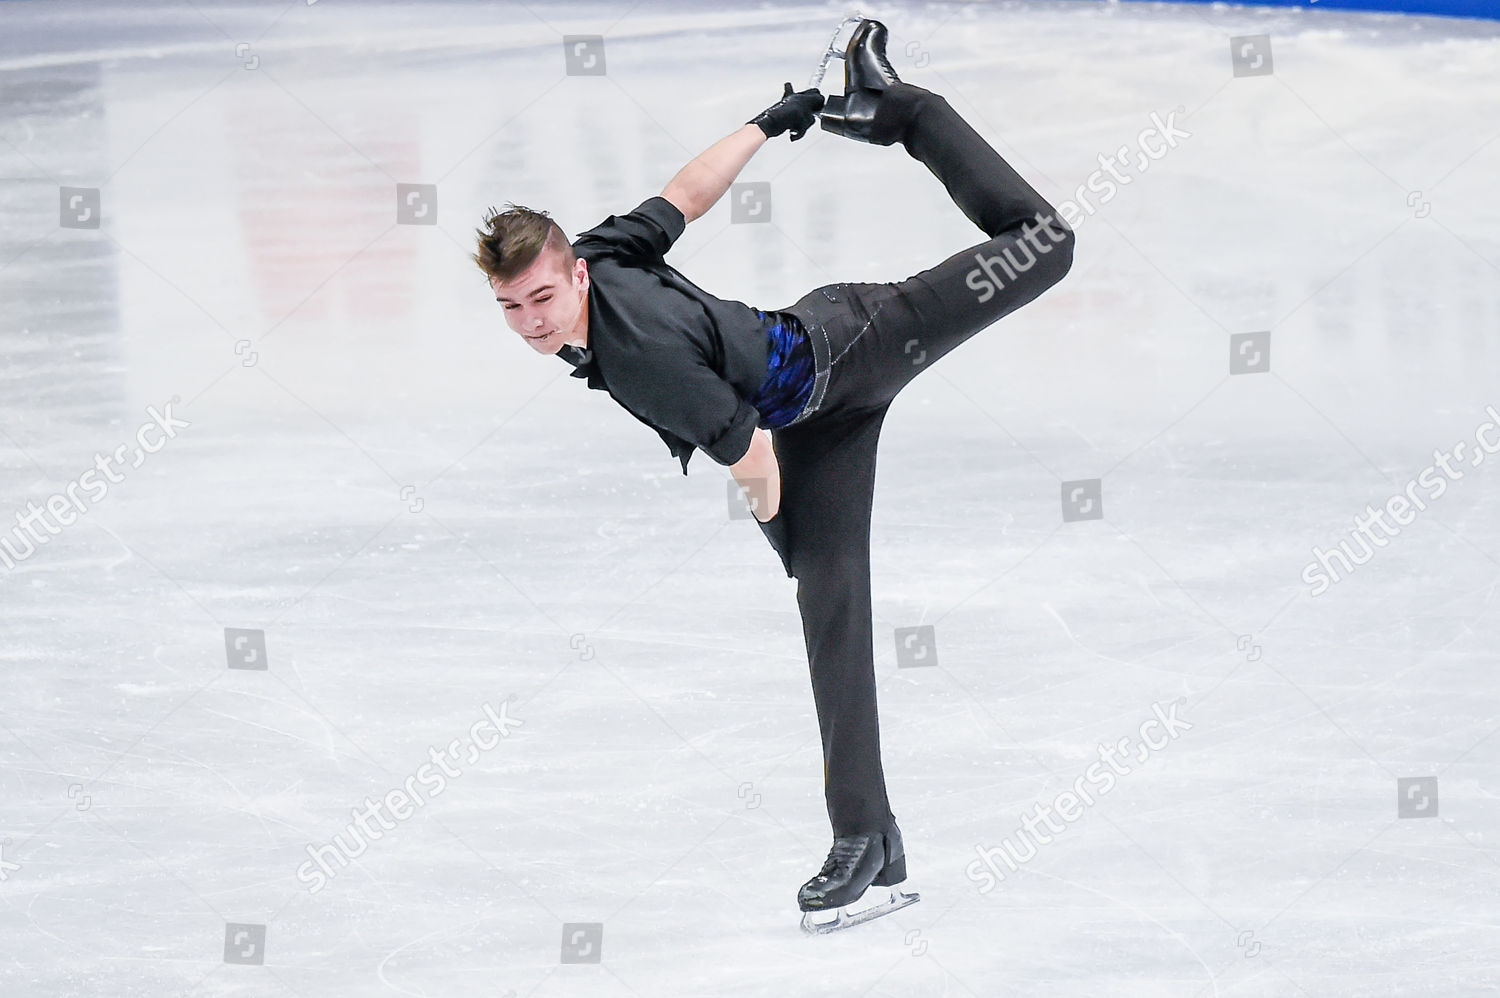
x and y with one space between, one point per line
395 629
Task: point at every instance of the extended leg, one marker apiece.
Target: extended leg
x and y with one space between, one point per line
1030 246
913 323
985 187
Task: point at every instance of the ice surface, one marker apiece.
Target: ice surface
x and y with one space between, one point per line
423 517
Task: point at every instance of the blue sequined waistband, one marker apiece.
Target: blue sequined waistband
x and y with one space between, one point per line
790 369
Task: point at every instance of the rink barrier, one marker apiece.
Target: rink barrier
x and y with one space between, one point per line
1440 8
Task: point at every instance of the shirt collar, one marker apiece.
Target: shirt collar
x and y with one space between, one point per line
584 365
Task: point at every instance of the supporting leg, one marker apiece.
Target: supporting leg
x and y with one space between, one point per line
828 484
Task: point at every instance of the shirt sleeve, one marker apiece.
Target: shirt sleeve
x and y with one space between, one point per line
649 230
687 398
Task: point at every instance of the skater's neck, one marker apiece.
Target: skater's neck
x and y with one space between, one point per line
579 337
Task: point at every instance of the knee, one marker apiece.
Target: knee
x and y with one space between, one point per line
1057 237
1036 254
1063 247
1046 241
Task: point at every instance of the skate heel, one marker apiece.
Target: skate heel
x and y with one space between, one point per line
894 870
894 873
832 117
853 117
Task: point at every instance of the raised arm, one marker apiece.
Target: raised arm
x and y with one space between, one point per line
701 183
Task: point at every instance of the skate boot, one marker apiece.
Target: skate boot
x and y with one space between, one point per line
867 76
854 864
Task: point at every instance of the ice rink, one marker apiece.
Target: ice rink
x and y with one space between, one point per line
353 533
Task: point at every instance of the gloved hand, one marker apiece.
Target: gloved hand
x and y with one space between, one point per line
775 531
796 111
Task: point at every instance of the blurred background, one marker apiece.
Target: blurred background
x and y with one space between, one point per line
294 510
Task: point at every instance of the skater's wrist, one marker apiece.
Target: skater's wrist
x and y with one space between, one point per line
795 112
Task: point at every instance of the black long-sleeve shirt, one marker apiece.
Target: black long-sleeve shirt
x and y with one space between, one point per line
679 359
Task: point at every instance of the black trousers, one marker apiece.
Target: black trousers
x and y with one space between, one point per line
870 341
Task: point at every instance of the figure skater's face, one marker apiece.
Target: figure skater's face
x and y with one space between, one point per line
545 303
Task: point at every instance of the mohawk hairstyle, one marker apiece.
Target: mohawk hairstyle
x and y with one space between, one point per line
513 238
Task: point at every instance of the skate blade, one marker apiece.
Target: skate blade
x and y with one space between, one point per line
834 51
843 918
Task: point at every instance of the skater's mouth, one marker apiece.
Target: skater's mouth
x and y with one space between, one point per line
541 337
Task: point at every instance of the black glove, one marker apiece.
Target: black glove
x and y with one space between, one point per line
795 111
775 531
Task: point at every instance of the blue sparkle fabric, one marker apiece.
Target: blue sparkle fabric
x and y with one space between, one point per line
789 370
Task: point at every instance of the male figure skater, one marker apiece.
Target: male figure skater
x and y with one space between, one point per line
819 375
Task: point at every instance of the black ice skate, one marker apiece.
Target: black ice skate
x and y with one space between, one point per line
867 75
855 863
